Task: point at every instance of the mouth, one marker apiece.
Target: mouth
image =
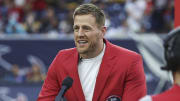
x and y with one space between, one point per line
82 42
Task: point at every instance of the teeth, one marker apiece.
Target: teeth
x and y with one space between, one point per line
82 41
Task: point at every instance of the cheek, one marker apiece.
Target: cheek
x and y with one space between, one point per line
100 34
75 36
94 38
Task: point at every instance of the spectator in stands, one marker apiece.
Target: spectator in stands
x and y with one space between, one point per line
66 24
14 15
15 75
31 25
172 56
39 7
49 23
161 16
35 75
135 10
14 26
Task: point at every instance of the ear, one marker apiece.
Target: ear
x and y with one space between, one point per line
103 30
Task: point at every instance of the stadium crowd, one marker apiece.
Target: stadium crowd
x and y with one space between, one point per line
55 16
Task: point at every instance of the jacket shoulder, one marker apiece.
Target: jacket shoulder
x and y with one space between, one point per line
66 53
124 51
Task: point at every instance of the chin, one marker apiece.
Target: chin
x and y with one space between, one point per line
80 51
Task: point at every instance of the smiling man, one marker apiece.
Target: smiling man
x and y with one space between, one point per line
101 70
88 35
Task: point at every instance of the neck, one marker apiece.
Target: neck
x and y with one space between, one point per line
177 78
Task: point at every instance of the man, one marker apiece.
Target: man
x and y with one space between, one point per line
172 56
101 71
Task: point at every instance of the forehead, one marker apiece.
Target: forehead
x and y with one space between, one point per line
85 20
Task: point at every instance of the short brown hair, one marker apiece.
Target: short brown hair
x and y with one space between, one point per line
92 9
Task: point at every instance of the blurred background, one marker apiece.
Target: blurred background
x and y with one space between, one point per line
33 31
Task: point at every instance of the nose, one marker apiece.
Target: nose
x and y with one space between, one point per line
80 32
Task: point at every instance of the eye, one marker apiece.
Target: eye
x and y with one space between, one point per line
86 28
76 28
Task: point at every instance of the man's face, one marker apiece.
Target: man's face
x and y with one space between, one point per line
88 36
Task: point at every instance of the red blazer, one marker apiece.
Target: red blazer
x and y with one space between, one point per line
172 94
121 75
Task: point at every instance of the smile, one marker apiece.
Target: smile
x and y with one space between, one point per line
82 41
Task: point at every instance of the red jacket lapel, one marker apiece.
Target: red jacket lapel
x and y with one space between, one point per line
105 70
72 70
